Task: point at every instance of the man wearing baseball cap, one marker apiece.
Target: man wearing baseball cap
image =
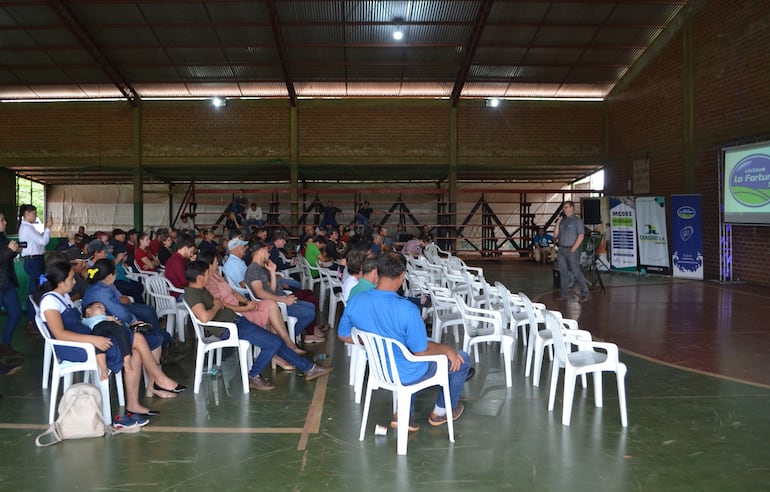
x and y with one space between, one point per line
234 267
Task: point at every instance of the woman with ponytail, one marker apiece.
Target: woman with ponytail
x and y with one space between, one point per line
101 288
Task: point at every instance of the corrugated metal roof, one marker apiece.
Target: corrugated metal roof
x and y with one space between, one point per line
345 47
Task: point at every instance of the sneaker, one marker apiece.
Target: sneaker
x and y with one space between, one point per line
435 420
257 383
124 421
140 421
413 426
316 372
7 369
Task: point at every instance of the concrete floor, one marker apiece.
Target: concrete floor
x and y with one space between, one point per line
688 429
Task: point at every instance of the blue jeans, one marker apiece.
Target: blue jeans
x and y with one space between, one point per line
131 288
10 301
34 267
293 284
269 344
569 266
456 382
304 312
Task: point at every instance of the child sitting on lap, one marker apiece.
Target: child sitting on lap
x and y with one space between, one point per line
107 326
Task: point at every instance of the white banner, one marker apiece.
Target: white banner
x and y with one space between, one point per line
623 233
651 230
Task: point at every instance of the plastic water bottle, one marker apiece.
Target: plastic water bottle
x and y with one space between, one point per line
213 372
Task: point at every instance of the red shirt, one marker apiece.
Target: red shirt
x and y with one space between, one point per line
155 246
175 271
140 253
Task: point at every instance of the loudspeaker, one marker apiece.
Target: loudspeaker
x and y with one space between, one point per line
592 211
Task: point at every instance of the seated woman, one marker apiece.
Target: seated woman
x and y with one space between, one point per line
261 313
165 252
101 288
65 323
143 256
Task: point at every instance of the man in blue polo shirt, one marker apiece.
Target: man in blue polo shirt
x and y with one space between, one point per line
384 312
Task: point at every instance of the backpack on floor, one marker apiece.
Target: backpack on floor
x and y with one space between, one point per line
80 415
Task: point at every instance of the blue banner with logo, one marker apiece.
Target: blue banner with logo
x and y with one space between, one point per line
687 236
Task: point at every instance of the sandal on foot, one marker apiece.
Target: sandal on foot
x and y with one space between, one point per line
436 420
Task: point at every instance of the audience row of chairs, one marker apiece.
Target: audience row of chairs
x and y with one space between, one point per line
461 297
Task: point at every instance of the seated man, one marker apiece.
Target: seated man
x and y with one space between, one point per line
354 260
234 267
177 262
278 257
206 308
315 255
254 217
368 278
384 312
261 279
333 249
542 244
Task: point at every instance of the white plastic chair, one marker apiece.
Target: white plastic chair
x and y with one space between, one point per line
48 357
445 313
333 286
208 344
64 369
383 374
288 272
539 339
308 281
514 316
159 289
358 363
585 360
485 325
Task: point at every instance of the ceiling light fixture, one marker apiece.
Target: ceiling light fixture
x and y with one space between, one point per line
398 34
493 103
219 102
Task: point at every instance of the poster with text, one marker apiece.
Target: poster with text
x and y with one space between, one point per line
686 236
622 234
651 233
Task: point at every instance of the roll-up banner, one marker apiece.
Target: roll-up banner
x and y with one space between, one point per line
687 236
623 234
651 232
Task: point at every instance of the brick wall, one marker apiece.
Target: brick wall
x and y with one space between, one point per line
731 102
198 129
66 130
530 129
345 131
